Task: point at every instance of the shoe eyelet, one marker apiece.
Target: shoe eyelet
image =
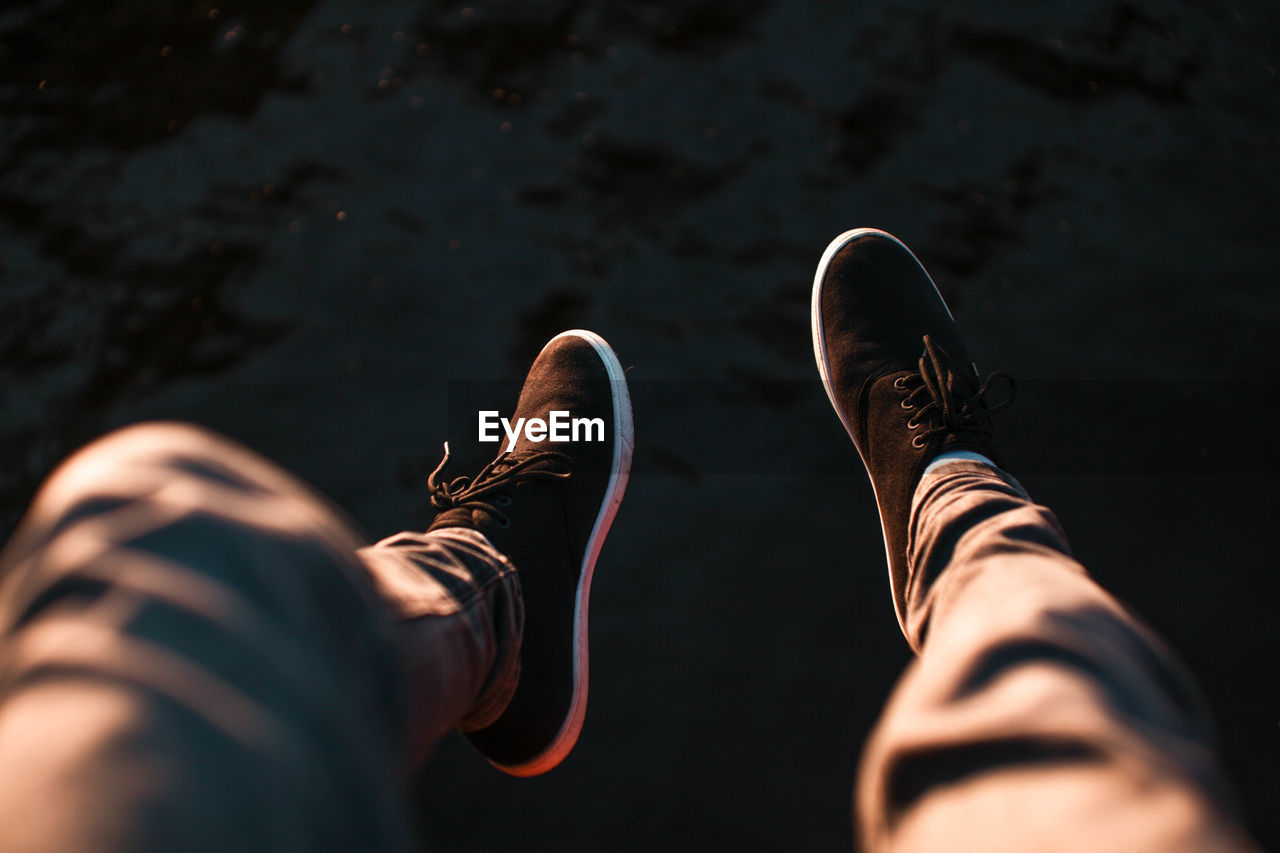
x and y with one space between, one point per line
907 404
913 424
503 500
918 442
504 523
900 383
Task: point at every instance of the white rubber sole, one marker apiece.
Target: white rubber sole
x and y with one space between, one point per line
824 366
619 473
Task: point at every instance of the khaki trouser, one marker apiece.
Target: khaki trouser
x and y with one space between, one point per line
1040 715
196 653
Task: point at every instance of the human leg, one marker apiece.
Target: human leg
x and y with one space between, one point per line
199 654
1040 715
193 660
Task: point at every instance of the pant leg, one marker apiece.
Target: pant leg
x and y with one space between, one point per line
1040 715
193 657
458 605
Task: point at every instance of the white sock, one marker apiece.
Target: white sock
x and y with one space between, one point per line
956 456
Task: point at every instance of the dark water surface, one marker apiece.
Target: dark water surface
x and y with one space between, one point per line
303 223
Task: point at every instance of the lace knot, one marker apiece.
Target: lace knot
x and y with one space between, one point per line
950 397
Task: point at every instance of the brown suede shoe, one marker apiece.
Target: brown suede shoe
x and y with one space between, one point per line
547 502
897 372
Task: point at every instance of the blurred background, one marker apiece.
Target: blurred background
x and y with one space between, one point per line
303 223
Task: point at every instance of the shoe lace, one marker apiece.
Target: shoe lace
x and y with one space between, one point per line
952 396
490 487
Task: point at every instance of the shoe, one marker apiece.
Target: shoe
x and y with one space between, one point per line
898 374
548 505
